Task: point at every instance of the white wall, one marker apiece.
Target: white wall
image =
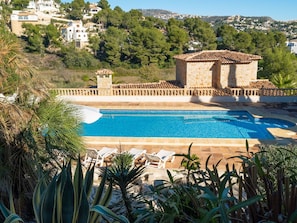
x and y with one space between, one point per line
254 99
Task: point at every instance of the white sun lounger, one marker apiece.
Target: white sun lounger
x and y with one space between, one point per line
159 159
98 156
136 153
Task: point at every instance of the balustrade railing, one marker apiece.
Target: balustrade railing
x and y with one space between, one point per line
174 92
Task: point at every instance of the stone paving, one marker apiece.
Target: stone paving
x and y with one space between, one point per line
219 149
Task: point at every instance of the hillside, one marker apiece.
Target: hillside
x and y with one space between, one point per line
160 13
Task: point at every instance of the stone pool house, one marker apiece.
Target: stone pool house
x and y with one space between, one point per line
205 69
217 68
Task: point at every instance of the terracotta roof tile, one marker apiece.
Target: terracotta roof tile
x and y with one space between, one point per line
157 85
225 56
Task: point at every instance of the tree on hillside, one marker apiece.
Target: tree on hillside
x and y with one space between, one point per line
76 9
34 38
227 37
201 32
132 19
115 17
51 36
94 42
114 46
278 61
103 4
260 42
101 17
243 42
19 4
75 58
178 38
148 46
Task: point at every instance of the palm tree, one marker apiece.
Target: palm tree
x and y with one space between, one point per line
284 80
34 127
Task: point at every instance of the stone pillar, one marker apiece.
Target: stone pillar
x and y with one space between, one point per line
104 82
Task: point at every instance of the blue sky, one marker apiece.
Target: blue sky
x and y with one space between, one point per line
282 10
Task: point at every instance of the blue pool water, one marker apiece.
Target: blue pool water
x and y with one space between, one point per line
182 124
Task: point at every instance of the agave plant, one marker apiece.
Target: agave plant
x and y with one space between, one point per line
67 199
209 197
124 173
190 162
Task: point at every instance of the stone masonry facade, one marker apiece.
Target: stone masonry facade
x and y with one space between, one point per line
217 68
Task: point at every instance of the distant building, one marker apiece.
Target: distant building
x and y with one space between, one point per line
46 6
18 18
292 45
216 68
75 32
91 11
94 9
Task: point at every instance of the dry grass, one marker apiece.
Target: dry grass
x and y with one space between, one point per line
51 68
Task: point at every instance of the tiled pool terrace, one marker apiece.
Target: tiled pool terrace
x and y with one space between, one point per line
219 149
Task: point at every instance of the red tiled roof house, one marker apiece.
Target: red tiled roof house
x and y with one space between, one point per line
216 68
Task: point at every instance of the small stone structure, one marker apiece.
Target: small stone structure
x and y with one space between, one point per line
104 79
216 68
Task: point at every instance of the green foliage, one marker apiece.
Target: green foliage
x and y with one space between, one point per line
51 36
271 173
210 198
85 77
202 32
60 128
227 35
148 46
66 198
114 47
75 58
124 173
190 162
19 4
280 156
94 43
34 38
178 38
278 61
133 41
103 4
284 80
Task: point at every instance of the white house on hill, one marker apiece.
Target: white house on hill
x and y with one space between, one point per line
75 32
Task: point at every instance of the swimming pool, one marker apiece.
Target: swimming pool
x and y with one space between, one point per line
182 124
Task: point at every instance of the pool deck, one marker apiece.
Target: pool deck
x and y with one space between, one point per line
219 149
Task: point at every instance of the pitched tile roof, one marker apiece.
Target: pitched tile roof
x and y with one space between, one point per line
225 56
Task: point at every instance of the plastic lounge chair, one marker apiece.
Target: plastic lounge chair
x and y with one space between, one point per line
159 159
136 153
98 156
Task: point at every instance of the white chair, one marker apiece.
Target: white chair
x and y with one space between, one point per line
98 156
159 159
136 153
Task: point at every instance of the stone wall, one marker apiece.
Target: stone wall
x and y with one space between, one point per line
181 72
215 74
200 74
238 75
104 81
